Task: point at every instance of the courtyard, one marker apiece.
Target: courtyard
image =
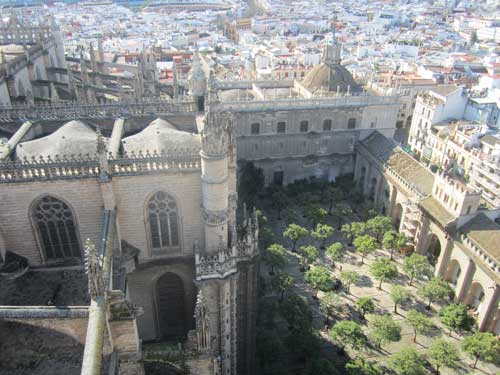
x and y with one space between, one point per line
280 207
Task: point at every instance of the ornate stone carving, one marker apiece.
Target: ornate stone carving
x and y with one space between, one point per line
214 217
217 133
203 340
94 270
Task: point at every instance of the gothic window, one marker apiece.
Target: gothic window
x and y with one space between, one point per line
351 123
56 228
304 126
163 221
327 125
281 127
255 128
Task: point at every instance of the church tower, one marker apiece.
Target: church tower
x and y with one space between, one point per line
225 309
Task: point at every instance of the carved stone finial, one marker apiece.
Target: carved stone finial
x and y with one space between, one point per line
94 270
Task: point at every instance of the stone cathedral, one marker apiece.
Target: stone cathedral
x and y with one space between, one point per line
135 200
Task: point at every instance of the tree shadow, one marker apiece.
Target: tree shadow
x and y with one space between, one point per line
364 281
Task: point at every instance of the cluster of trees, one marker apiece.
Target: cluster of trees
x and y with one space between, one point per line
408 361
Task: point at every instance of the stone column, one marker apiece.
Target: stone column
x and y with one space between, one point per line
463 287
444 258
489 310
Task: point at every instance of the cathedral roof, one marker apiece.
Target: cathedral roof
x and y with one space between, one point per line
160 136
387 152
73 138
327 77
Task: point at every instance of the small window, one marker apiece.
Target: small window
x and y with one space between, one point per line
278 178
327 125
351 124
255 128
372 125
304 126
423 110
281 127
468 210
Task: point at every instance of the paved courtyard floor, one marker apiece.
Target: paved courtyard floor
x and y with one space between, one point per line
367 286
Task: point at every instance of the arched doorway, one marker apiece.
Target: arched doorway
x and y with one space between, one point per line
398 214
170 299
453 272
475 297
434 249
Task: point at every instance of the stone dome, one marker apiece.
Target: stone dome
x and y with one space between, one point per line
73 138
160 136
326 78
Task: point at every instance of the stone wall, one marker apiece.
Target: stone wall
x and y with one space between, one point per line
83 196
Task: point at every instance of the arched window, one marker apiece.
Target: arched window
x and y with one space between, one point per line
56 228
163 221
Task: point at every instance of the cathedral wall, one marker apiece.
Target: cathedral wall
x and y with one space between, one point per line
83 196
132 194
295 145
299 168
381 118
268 120
4 94
141 290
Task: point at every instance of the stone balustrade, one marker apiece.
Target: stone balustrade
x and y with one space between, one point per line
69 110
74 167
492 263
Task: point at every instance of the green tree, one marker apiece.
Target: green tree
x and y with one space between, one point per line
335 252
275 256
282 282
378 225
322 233
482 346
295 233
456 318
355 229
308 254
319 278
340 214
358 228
279 201
365 305
348 333
383 269
420 323
365 245
443 353
383 330
407 362
361 366
330 303
349 278
399 296
334 194
250 183
315 214
436 290
416 266
267 349
393 240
